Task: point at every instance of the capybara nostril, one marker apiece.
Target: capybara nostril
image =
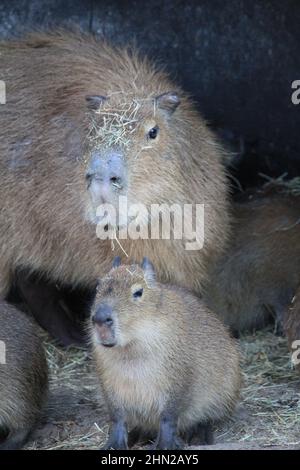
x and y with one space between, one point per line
89 178
107 166
103 315
107 322
116 181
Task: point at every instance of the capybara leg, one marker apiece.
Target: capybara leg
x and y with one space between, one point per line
200 434
208 434
118 435
47 304
14 440
167 438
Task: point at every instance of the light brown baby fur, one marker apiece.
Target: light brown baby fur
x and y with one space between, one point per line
258 276
170 349
23 377
45 145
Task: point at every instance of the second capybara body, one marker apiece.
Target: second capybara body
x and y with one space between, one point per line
258 276
166 364
85 123
23 378
291 328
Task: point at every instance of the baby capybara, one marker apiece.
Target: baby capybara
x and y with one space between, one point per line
258 276
166 364
23 378
84 124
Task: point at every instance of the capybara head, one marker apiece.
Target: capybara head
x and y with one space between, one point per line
126 298
133 150
138 148
139 135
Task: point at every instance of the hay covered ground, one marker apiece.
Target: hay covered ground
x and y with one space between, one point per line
267 417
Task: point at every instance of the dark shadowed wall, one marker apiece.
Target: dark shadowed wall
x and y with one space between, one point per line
238 58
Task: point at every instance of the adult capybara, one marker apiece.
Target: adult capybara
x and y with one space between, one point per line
23 377
166 363
84 124
291 328
258 276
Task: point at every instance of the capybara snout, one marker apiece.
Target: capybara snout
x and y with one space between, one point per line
106 175
104 325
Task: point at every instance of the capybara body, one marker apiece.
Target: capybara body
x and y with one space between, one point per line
258 276
166 364
23 377
61 156
291 328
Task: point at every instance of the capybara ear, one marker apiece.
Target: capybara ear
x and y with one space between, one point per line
168 101
149 271
94 101
116 262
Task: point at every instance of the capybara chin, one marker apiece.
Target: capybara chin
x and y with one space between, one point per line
84 124
166 364
258 275
23 377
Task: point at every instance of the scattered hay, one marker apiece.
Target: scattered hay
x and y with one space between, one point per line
269 413
270 410
291 186
62 362
113 126
119 243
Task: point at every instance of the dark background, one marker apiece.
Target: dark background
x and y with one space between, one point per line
237 58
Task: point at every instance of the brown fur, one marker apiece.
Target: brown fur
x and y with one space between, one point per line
44 152
171 351
291 326
259 275
23 378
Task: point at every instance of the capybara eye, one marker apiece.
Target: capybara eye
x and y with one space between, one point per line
152 134
138 293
